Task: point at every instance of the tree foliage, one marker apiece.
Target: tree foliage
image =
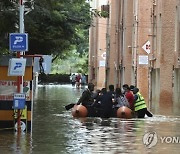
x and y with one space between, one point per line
72 64
8 23
54 26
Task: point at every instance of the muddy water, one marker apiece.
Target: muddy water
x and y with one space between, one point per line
54 131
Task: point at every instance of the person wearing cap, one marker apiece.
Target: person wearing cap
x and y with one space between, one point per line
140 104
131 88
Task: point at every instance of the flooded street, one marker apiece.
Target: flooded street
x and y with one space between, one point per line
55 131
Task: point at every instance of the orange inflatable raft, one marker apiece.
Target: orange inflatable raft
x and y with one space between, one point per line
124 112
81 111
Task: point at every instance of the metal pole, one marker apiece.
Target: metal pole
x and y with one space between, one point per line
20 78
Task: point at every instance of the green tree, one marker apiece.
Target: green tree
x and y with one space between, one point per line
57 26
74 63
54 26
8 24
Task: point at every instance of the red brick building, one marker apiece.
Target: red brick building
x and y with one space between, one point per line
140 39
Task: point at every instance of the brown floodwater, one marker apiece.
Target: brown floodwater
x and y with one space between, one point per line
55 131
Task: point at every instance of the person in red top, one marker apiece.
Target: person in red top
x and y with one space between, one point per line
129 96
78 78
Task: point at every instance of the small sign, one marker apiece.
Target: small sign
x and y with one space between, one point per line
16 67
103 55
22 125
23 113
8 88
46 64
19 101
143 59
102 63
146 47
18 42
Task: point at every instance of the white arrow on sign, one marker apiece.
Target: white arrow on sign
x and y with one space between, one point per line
146 47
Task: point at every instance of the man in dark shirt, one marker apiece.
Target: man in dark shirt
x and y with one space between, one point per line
106 102
86 98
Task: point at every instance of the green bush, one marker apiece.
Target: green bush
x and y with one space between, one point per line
54 78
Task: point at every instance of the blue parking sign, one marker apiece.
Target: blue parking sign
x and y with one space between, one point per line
19 101
18 41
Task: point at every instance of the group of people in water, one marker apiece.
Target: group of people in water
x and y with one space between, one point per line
108 101
78 80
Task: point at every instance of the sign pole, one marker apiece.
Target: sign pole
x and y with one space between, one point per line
20 78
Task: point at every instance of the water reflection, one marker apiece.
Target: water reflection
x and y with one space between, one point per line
55 131
12 143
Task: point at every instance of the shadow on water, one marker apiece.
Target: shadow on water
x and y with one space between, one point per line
56 131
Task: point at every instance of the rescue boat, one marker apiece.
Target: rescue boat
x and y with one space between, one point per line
81 111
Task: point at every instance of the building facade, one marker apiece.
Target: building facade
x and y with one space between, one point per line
138 44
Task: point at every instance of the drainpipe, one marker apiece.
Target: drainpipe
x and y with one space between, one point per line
135 49
152 58
107 55
118 67
107 52
120 61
